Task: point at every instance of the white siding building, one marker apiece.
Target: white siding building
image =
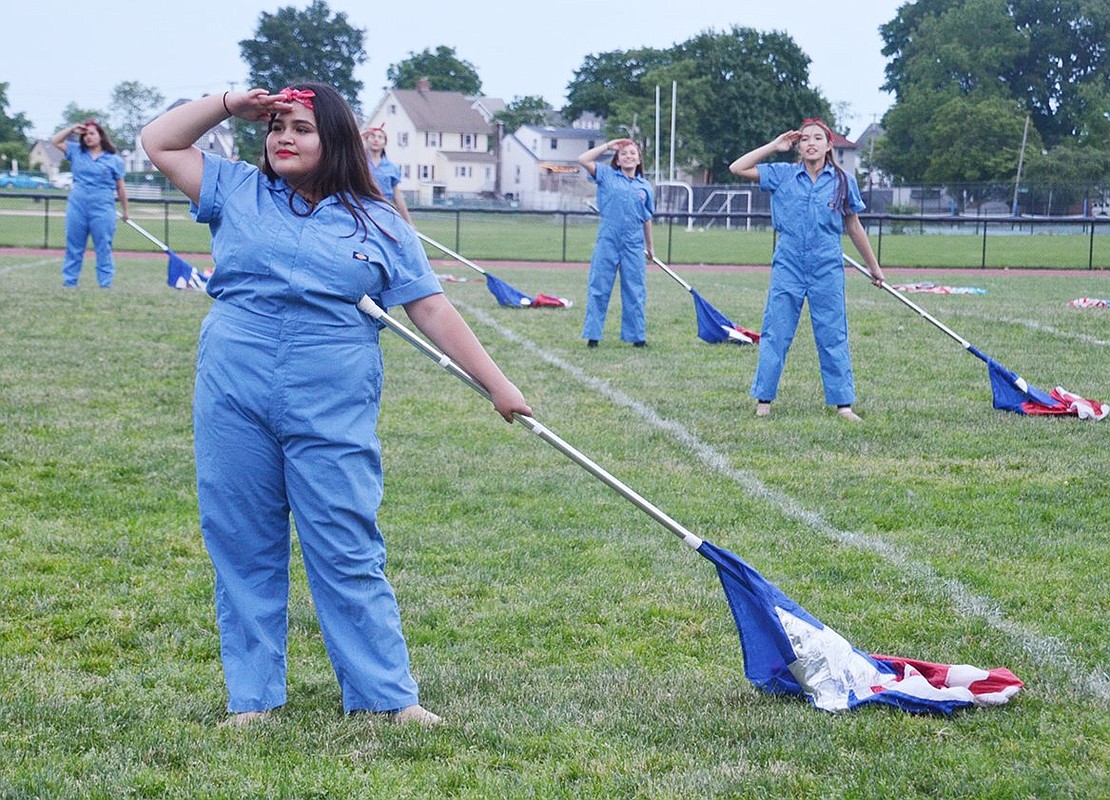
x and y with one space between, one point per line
442 142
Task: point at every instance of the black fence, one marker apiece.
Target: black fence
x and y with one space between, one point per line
36 219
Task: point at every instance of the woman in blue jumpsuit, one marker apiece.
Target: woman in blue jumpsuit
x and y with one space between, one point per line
288 382
813 203
91 208
385 173
626 203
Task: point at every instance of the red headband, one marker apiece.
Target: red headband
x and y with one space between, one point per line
820 124
302 96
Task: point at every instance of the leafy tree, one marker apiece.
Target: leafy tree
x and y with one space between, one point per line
1047 58
736 90
291 45
528 110
606 78
444 70
133 104
14 127
976 139
1068 49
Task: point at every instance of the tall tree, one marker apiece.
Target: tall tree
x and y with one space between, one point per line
444 70
736 90
73 113
291 45
132 106
13 127
1047 58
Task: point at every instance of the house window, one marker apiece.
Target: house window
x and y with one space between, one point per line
590 145
392 108
489 173
467 141
431 139
425 172
463 172
403 139
554 144
406 171
516 175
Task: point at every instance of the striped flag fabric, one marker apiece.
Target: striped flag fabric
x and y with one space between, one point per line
789 651
1013 393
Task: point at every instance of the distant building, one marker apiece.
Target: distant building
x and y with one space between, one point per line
442 142
46 158
219 141
846 154
540 170
866 145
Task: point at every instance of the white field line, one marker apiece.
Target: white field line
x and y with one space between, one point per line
1024 323
32 265
1049 652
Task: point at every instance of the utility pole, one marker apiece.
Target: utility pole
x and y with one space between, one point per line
1021 160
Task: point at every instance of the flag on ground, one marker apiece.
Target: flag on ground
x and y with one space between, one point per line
788 651
508 295
1089 302
1012 393
933 288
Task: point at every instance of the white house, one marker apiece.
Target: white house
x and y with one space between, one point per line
539 166
442 142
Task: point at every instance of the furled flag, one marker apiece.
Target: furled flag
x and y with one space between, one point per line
713 326
180 274
788 651
1012 393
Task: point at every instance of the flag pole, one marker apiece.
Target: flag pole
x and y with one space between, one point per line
963 342
372 309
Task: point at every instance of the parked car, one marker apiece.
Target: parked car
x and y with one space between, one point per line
63 180
21 180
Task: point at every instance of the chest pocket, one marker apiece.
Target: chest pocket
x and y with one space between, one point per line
332 263
247 244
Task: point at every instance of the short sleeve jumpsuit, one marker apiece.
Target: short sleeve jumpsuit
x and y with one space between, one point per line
288 383
624 204
91 211
386 175
808 263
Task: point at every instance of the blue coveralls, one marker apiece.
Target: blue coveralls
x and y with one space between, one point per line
91 210
286 401
386 175
808 264
624 204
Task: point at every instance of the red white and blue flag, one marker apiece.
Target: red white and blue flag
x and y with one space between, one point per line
788 651
1012 392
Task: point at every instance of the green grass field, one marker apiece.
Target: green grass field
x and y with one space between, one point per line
575 647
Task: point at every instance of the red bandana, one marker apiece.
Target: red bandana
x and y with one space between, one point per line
302 96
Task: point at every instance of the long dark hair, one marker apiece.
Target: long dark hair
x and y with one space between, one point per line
342 170
105 140
840 199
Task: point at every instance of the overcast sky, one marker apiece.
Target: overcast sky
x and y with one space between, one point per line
63 51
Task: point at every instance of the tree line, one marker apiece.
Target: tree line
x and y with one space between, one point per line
966 76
